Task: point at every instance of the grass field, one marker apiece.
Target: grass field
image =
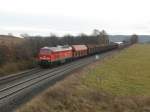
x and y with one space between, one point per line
119 83
126 74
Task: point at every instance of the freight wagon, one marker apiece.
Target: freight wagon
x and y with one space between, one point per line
79 51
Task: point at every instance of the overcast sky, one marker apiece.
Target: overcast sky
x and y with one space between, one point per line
42 17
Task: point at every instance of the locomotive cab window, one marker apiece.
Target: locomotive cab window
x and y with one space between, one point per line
45 51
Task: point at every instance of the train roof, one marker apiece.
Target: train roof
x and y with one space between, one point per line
92 45
79 47
58 48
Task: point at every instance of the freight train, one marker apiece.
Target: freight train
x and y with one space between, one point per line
56 55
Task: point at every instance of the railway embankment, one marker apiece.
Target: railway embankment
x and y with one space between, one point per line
119 83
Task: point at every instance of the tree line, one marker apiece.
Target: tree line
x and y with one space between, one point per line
29 48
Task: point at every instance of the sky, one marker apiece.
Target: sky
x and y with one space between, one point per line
42 17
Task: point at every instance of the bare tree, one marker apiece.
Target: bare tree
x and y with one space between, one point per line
96 32
103 38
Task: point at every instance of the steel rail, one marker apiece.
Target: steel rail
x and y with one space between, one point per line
16 76
50 75
47 72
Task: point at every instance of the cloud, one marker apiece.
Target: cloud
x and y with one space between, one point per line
74 16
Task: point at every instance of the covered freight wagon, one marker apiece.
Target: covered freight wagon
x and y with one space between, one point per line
79 51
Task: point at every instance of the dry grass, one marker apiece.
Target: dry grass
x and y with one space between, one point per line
14 67
10 66
85 92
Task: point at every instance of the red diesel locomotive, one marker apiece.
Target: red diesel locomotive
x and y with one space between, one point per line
53 55
60 54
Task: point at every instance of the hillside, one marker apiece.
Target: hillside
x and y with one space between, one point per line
9 40
13 53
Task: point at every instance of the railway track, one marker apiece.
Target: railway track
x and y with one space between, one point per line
12 77
15 85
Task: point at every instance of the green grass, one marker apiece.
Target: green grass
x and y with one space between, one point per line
126 74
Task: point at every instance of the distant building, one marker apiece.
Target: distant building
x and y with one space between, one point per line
119 43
